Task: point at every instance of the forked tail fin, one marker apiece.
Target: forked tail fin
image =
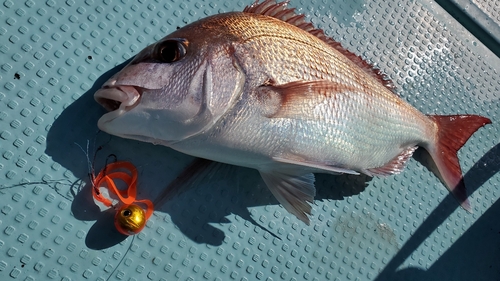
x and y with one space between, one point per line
453 132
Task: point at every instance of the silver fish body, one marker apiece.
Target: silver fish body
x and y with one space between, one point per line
263 89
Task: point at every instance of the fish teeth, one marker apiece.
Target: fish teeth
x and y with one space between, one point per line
127 95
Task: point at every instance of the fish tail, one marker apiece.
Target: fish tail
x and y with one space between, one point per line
453 133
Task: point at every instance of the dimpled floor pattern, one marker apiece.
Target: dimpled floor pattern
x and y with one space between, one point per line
484 13
490 8
226 226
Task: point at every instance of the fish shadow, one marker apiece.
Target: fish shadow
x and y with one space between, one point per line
76 125
196 209
75 142
66 143
475 255
72 141
220 190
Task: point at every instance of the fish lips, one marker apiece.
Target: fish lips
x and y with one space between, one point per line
118 97
121 120
117 100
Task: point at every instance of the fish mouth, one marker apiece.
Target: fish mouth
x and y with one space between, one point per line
123 97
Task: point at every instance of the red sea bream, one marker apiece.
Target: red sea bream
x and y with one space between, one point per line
264 89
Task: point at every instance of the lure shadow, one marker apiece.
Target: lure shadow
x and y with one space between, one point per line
475 255
102 234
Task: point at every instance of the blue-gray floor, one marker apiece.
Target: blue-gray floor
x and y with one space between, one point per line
226 225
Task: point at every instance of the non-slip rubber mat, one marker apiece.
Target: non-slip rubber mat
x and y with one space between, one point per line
484 12
227 226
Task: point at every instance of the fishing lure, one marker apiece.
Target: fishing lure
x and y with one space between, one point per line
130 218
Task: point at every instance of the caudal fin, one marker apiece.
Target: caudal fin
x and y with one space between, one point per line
453 132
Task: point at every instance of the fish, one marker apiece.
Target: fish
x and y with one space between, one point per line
264 89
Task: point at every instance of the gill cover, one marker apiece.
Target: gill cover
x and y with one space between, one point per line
186 86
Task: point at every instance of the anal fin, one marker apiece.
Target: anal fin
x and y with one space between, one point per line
395 166
293 191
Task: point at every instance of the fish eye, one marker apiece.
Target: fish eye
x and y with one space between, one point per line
171 51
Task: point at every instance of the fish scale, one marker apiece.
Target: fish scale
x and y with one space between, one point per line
345 126
300 61
284 43
263 89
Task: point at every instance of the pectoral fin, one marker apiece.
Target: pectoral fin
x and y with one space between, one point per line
293 191
300 99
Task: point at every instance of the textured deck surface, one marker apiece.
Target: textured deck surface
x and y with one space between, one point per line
55 54
484 12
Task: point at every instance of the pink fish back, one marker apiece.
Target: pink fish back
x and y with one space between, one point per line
288 15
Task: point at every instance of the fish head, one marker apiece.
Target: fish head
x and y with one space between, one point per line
173 89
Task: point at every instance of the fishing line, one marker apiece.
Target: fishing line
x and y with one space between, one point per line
124 255
91 164
49 183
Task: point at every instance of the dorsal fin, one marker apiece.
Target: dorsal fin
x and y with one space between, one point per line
280 11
